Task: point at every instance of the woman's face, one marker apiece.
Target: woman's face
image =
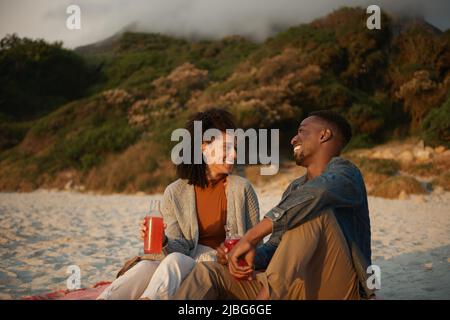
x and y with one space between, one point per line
220 154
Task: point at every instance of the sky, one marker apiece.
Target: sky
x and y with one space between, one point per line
209 19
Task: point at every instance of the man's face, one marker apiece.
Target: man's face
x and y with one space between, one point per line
307 140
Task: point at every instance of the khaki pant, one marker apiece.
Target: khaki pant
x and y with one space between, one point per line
312 262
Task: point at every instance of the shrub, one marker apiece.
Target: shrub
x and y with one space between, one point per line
375 171
49 75
392 187
88 148
442 181
381 166
427 169
436 126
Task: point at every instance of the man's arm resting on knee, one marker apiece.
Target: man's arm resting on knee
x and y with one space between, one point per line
245 248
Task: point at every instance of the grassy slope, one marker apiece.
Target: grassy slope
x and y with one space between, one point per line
91 142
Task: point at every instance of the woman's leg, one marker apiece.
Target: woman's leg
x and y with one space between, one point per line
168 277
132 283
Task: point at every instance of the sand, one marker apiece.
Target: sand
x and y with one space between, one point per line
42 233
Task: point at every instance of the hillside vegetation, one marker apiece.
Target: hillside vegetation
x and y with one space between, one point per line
100 117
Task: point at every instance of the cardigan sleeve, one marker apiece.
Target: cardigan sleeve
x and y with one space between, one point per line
174 241
252 206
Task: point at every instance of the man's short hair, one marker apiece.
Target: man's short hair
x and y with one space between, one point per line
338 121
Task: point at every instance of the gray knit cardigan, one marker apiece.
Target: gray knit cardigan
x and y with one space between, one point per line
180 214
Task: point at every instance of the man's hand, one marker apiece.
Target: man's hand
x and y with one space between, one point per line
222 256
240 260
245 250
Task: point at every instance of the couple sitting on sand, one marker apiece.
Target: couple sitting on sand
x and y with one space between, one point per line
319 246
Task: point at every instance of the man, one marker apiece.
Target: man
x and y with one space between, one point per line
320 242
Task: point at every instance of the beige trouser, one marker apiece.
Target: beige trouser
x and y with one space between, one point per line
155 280
132 284
312 262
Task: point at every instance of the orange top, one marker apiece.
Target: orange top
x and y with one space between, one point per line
211 205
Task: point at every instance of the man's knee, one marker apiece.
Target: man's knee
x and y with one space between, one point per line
327 215
211 267
207 273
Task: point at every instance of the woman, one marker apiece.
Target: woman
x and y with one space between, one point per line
195 208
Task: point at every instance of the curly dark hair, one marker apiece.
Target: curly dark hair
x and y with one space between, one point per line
213 118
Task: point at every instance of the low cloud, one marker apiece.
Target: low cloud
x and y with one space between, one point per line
214 19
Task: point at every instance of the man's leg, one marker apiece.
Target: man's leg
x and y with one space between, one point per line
211 280
312 262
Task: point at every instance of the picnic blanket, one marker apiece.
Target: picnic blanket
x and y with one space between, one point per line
80 294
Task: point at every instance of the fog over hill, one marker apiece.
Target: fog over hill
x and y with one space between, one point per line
211 19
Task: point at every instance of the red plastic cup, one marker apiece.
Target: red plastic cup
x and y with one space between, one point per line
154 234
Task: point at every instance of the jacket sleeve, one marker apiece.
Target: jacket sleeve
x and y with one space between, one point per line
332 189
174 241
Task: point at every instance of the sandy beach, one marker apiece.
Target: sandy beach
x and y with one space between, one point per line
44 232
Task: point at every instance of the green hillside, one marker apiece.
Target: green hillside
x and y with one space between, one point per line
101 116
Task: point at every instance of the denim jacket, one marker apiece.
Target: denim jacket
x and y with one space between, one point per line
340 188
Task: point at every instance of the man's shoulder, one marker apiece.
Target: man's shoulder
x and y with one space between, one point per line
297 182
342 164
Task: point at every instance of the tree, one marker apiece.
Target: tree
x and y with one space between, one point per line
36 76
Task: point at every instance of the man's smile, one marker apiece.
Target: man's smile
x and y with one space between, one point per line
297 148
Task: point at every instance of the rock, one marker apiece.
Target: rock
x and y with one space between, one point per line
403 195
422 154
430 150
406 156
439 149
69 185
420 144
438 190
420 199
428 266
383 154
